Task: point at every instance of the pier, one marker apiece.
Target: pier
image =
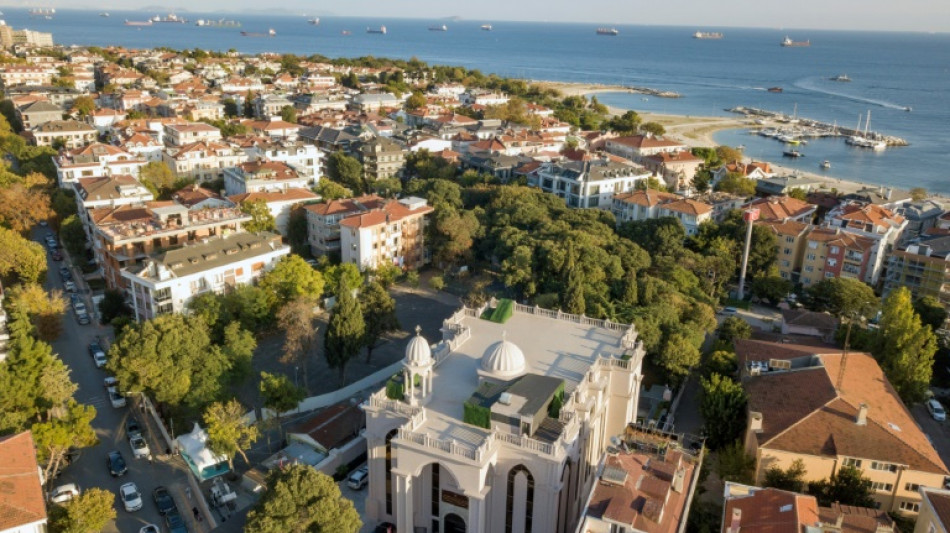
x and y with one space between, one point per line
821 129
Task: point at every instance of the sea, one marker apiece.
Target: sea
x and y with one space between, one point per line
890 71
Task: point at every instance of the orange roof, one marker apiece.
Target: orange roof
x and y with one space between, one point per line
688 207
683 156
347 205
770 511
391 211
285 195
785 227
22 502
781 207
645 141
193 195
646 197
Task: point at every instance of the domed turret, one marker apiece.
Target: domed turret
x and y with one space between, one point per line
418 353
503 360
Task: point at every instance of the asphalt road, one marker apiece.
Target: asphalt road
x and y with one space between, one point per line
90 469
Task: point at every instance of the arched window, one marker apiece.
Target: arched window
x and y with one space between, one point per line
562 510
389 471
529 500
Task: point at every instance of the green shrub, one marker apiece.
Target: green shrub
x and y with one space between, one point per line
394 389
502 312
477 415
554 408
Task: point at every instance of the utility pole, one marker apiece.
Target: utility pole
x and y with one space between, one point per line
749 216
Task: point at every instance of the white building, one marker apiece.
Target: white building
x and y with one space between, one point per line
96 159
648 203
182 134
165 282
877 223
394 234
636 147
588 183
501 426
280 203
305 158
203 160
71 133
257 176
107 191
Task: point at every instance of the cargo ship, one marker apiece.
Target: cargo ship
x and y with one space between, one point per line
315 21
220 23
707 35
439 28
788 42
138 22
607 31
486 27
380 30
270 33
171 18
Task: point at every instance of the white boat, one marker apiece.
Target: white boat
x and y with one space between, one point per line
486 27
315 21
863 141
825 164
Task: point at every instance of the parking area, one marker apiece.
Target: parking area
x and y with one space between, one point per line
939 432
358 497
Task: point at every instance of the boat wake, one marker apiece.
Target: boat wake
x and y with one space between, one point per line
806 85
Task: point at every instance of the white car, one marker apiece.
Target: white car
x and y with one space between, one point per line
115 398
110 382
936 410
131 497
100 359
359 478
139 446
64 493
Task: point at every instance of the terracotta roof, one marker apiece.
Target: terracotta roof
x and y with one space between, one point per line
785 227
770 511
106 187
806 318
688 207
858 215
272 170
683 156
855 519
285 195
646 197
781 207
940 501
347 205
269 125
748 168
22 502
645 141
804 413
392 211
334 426
192 195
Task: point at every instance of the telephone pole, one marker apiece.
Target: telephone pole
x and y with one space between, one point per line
749 216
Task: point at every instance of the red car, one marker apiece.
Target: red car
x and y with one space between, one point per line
57 256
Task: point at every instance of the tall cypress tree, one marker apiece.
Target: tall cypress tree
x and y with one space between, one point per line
574 301
345 331
905 348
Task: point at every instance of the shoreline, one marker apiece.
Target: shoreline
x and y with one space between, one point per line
698 131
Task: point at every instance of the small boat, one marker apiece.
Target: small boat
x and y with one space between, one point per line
841 77
439 28
381 30
270 33
221 23
825 165
608 31
104 14
345 32
775 89
908 109
486 27
138 22
171 18
788 42
707 35
792 153
315 21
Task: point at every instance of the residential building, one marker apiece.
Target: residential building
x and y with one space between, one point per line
394 234
323 221
280 203
833 253
32 38
637 147
483 98
886 197
142 145
305 158
676 169
691 213
275 129
485 444
331 139
644 486
750 509
165 282
374 102
791 246
921 216
107 191
257 176
178 134
830 410
809 323
68 133
93 160
29 75
646 204
104 119
196 198
722 203
778 185
37 113
498 165
783 208
934 514
270 105
588 183
23 505
382 158
881 225
203 160
922 267
756 170
125 235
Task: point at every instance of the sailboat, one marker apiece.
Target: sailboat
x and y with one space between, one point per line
864 141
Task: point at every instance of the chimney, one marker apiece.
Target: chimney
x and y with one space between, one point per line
862 419
735 522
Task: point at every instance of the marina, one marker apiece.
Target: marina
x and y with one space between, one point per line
798 127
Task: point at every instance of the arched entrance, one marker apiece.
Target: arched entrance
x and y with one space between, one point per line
454 523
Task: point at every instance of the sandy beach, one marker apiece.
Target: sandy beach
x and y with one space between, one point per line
698 131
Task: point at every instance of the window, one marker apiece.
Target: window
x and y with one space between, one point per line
787 251
789 239
389 471
813 245
912 507
875 465
911 487
829 274
809 269
882 487
835 250
856 463
811 257
510 504
786 263
832 262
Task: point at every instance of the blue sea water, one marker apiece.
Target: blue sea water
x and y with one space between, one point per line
890 71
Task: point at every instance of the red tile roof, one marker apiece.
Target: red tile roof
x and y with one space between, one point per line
392 211
646 197
645 141
770 511
347 205
285 195
781 207
22 499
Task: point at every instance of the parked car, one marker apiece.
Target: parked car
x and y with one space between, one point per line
139 446
132 426
64 493
57 255
131 497
65 274
174 522
80 307
69 286
358 478
83 318
936 410
163 500
116 398
98 354
110 381
116 464
729 310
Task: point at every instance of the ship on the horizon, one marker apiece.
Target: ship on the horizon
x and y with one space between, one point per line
138 22
707 35
104 14
43 12
381 30
269 33
787 41
439 28
315 21
220 23
841 77
607 31
171 18
486 27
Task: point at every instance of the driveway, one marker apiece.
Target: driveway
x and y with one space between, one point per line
939 432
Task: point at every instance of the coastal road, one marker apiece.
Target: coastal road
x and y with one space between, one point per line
90 469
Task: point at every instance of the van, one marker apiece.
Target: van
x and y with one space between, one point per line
359 478
936 410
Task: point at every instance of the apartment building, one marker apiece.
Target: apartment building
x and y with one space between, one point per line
13 75
36 113
808 254
280 203
165 282
637 147
828 411
203 160
180 134
93 160
676 169
305 158
24 500
647 204
923 267
107 191
791 246
783 208
394 234
934 514
588 183
881 225
323 221
68 133
258 176
382 158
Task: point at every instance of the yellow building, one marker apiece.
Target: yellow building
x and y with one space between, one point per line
791 246
831 413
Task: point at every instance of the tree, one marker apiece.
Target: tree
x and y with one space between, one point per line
791 479
230 108
846 487
734 328
451 234
626 124
723 408
91 512
379 315
84 105
296 320
73 236
330 190
736 183
798 193
279 394
843 297
261 217
728 154
346 171
44 309
919 193
415 101
348 271
63 203
300 499
288 113
292 277
905 348
771 288
387 187
297 231
56 436
346 330
701 181
931 312
654 128
722 362
573 299
23 259
228 433
678 355
238 345
734 464
22 207
158 178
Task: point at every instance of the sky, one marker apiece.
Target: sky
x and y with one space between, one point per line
904 15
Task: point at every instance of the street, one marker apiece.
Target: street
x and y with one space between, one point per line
90 469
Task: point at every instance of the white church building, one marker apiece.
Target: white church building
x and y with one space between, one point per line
500 427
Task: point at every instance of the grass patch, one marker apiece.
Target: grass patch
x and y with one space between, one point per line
501 313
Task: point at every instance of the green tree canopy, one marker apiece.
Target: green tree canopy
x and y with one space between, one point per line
343 271
330 190
346 330
736 183
791 479
91 512
261 217
158 178
291 278
20 259
654 128
932 313
905 348
734 328
847 487
346 171
299 499
379 315
228 433
723 408
288 113
279 393
843 297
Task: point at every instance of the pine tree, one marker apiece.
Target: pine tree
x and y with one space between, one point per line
905 348
379 315
345 331
574 301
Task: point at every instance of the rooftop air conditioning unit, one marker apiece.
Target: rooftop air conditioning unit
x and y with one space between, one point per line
505 398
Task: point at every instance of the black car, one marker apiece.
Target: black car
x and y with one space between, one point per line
132 427
116 464
65 274
164 501
175 523
385 527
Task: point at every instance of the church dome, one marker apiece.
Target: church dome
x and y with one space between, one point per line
418 352
503 360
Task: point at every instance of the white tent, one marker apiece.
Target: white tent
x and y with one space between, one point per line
202 461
